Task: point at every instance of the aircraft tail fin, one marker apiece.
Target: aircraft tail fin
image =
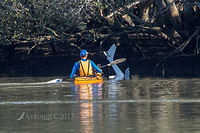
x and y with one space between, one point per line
110 53
127 74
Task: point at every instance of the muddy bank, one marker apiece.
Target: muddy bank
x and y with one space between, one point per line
43 66
184 67
62 65
142 56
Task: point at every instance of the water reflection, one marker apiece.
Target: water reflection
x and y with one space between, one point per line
155 105
87 91
141 105
147 89
88 110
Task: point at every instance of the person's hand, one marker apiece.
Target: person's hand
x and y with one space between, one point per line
73 76
99 74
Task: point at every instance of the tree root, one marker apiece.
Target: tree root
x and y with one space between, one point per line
197 45
180 48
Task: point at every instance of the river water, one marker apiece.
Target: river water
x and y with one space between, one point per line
143 105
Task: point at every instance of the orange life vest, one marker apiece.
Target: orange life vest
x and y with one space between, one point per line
85 68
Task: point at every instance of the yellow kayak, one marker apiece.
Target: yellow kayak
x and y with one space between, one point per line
82 80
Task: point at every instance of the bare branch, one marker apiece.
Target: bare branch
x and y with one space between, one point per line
197 45
122 9
180 48
72 44
29 51
53 32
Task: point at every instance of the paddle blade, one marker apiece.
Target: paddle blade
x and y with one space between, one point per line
55 81
117 61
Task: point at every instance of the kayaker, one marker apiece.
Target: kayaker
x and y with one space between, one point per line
85 66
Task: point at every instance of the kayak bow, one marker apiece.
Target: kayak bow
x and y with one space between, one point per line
82 80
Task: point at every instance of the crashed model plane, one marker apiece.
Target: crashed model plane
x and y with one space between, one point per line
119 74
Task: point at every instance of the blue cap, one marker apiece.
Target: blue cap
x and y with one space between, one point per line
83 53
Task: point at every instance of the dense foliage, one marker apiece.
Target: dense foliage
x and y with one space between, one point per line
76 22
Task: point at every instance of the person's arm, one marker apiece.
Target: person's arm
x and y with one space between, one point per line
95 66
74 69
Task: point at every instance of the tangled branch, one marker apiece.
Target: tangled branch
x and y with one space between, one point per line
181 47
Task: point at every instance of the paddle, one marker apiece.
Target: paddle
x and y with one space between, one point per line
110 64
57 80
115 62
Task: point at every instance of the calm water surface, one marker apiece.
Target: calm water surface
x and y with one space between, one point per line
136 106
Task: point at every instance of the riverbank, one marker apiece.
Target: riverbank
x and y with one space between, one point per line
44 61
188 66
